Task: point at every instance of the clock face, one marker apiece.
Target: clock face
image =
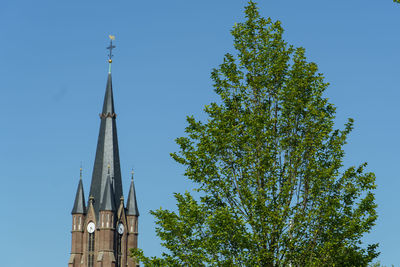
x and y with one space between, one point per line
91 227
120 228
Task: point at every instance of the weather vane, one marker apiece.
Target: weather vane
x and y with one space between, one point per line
112 37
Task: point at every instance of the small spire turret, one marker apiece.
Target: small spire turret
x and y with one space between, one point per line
79 204
108 202
131 205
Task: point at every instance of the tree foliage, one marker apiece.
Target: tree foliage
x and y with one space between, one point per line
268 165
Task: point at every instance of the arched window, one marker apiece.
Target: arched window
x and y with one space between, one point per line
91 250
119 248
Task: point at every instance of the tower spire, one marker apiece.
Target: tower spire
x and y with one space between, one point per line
103 232
107 152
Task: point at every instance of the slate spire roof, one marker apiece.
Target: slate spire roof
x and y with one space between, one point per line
108 201
131 205
107 153
79 204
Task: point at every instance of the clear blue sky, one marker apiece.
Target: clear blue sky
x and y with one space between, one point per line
53 75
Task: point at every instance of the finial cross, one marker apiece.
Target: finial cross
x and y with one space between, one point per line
111 47
80 171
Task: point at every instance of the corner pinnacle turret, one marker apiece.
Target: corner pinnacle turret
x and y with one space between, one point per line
131 205
79 204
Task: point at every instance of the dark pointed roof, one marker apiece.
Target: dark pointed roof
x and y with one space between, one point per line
108 201
107 153
108 105
79 204
131 205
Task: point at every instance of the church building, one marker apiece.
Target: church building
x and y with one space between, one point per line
104 230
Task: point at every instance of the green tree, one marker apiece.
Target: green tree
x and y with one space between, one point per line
396 1
268 166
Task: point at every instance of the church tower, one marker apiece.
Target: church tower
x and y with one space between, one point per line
105 230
